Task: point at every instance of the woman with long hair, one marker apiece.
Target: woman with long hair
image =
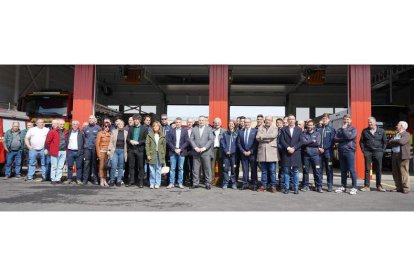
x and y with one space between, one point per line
103 139
155 145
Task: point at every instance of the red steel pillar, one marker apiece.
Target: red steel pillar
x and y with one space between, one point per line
219 94
83 93
359 97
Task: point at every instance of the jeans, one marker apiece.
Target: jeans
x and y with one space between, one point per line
286 172
326 161
33 161
118 161
57 163
15 156
74 157
174 159
229 164
268 169
155 173
347 164
376 159
48 166
315 162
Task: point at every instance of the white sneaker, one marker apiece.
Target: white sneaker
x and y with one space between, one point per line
157 186
152 186
181 186
353 191
340 190
170 186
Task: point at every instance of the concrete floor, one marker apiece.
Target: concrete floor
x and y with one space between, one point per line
18 195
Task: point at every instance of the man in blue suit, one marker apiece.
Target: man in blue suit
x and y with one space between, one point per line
290 140
247 145
177 142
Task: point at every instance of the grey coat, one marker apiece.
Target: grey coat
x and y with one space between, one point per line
267 148
205 141
112 143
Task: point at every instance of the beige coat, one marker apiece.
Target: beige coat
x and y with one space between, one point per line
267 148
112 143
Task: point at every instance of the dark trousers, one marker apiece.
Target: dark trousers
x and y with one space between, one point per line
347 164
188 170
237 165
376 158
314 162
90 167
136 164
229 176
74 157
326 162
249 161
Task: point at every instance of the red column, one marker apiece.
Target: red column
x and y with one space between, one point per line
219 94
359 96
83 92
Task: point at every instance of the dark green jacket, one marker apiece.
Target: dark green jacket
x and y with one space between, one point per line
151 148
8 138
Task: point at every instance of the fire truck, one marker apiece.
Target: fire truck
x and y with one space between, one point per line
7 117
50 105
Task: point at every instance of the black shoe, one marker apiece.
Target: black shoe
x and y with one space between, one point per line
330 189
194 187
296 192
95 182
119 183
140 185
245 187
285 192
208 187
254 188
111 183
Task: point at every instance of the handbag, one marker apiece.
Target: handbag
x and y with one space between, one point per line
165 169
108 164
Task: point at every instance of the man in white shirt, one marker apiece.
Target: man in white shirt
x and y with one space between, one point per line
75 153
35 141
218 132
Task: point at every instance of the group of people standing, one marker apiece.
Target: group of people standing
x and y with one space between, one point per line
192 151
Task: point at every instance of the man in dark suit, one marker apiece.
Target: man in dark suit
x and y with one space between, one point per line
75 153
136 146
177 143
202 140
247 145
290 140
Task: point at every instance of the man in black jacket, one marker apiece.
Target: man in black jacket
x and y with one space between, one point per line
136 146
373 142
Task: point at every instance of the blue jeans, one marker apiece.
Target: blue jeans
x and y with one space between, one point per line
174 159
286 172
268 169
229 165
17 157
155 173
118 161
314 162
48 166
347 164
75 158
33 161
57 163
